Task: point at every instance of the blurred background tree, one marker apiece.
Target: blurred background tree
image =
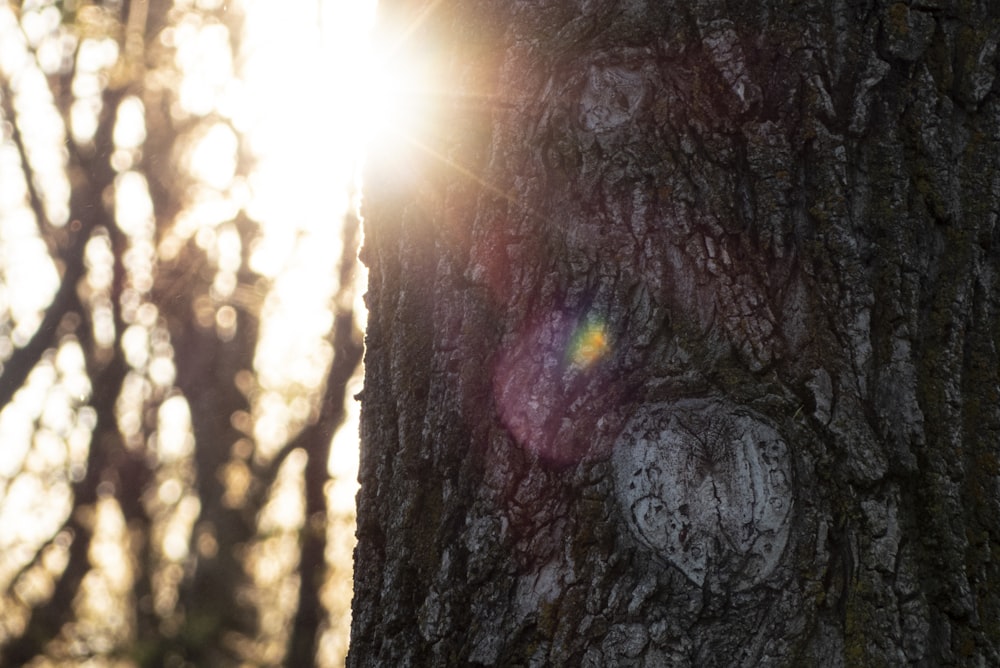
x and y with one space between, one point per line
179 332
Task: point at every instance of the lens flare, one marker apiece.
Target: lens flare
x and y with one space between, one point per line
589 344
547 388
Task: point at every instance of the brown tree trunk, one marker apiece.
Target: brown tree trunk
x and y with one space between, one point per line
683 339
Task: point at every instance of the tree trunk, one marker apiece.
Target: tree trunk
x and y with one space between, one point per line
683 339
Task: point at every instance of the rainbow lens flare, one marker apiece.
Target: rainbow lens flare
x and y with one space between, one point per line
589 344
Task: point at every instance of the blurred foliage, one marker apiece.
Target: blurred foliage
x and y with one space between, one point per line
175 351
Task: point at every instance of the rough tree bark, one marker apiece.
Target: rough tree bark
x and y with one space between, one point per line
683 339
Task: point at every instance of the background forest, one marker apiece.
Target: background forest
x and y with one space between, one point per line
180 331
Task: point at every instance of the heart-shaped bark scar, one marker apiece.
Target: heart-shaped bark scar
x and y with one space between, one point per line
706 486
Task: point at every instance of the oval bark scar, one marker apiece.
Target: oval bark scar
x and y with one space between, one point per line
706 486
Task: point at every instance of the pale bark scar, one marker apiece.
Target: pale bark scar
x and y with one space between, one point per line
706 486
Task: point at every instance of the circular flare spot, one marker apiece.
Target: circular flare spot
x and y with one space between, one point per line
589 344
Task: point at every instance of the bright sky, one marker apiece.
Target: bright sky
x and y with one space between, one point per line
299 102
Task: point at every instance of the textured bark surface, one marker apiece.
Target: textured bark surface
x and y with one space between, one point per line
683 345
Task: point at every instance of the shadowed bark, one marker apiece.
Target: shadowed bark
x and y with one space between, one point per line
682 345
